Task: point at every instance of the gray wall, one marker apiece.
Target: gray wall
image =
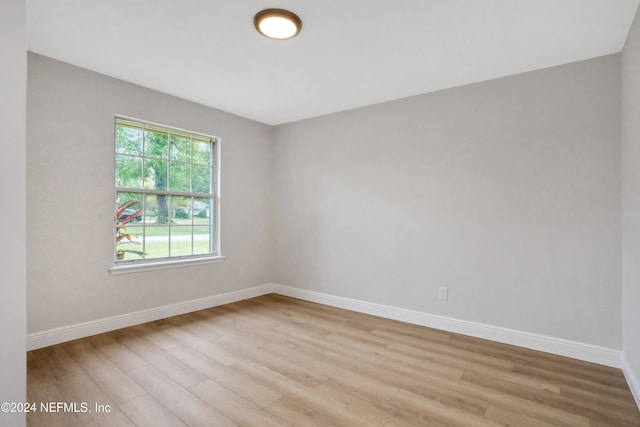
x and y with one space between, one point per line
631 200
507 192
70 197
13 93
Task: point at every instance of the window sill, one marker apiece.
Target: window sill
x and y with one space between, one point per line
162 265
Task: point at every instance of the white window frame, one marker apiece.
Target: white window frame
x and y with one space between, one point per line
139 265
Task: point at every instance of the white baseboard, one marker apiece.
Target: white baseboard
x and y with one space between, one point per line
632 380
559 346
67 333
576 350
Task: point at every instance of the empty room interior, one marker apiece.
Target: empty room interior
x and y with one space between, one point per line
356 213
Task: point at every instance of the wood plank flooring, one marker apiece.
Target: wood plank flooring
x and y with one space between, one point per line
278 361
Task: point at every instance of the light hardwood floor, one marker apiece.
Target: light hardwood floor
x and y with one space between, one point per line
275 360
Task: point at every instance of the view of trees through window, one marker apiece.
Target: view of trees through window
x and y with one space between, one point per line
165 197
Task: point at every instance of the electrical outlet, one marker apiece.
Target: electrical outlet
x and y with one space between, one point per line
243 271
443 293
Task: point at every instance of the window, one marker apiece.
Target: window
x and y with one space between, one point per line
166 183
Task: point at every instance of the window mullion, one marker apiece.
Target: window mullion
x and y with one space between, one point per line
193 200
144 226
144 148
169 198
162 192
144 196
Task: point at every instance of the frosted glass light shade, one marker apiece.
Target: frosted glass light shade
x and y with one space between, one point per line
277 24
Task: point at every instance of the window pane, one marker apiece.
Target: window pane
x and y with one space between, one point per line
201 240
180 210
150 209
128 171
155 174
202 151
129 242
180 148
156 241
156 209
128 209
129 139
122 196
128 216
201 179
156 143
163 209
201 211
180 178
181 240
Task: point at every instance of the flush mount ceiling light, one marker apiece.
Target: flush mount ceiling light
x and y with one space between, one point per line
277 24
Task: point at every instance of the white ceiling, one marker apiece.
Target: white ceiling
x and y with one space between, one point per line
350 53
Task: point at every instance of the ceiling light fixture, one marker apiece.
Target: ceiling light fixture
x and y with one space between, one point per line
277 24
